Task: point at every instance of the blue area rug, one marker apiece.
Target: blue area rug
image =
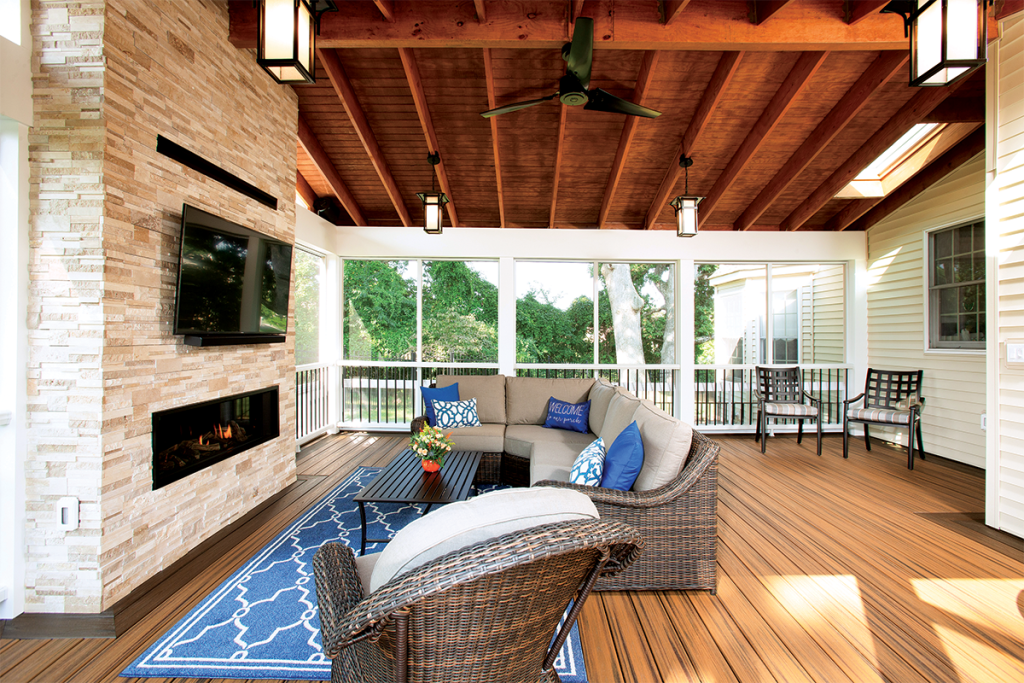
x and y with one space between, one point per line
263 622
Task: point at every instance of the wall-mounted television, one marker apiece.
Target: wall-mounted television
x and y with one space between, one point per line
233 283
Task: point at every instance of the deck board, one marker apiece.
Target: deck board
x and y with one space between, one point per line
831 571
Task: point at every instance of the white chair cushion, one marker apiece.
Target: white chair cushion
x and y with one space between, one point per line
458 525
790 409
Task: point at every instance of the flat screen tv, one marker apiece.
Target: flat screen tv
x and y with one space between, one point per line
232 283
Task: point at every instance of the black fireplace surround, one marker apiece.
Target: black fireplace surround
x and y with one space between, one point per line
188 439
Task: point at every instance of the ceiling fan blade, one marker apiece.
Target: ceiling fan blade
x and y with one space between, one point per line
601 100
516 106
581 50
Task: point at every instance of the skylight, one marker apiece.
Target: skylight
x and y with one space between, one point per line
906 144
890 169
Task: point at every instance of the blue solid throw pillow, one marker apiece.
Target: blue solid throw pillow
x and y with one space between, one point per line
624 460
449 393
565 415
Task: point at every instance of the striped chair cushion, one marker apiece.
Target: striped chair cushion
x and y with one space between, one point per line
790 409
895 417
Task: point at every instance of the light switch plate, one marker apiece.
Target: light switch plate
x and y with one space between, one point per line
1015 352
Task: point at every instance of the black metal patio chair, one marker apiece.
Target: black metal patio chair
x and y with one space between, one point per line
780 395
890 397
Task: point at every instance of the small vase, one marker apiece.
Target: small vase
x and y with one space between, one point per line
430 465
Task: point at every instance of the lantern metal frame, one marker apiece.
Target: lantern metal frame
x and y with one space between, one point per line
686 203
433 201
911 11
315 10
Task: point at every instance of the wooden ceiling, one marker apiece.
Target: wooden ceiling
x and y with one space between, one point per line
779 103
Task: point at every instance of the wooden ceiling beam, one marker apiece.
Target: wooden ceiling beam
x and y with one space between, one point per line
347 95
305 190
963 152
481 11
799 77
412 74
558 163
643 81
919 106
858 10
958 110
885 66
387 8
577 9
720 80
926 152
718 26
316 153
492 104
673 8
761 11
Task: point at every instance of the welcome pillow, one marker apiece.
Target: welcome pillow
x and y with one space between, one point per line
452 414
448 393
589 465
565 415
624 461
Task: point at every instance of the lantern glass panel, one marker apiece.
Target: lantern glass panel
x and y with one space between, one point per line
279 29
928 32
305 36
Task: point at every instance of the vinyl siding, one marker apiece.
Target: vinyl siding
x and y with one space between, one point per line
823 317
954 383
1009 180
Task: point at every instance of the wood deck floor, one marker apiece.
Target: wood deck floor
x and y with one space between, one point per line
831 571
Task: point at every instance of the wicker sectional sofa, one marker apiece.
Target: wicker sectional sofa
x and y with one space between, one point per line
673 502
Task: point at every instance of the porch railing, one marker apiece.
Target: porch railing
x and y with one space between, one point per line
725 394
312 394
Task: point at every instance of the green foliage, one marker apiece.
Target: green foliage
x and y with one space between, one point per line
547 334
307 307
380 311
460 314
704 315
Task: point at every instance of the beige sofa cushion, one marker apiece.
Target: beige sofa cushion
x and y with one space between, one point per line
620 415
666 446
600 396
540 436
489 438
488 390
526 398
553 461
458 525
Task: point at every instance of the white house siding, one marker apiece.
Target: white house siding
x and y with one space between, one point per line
954 383
822 318
1007 219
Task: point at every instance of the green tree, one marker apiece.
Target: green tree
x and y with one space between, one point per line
460 314
704 315
306 278
380 311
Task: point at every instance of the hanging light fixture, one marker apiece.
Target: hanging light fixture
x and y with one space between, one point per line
948 38
686 206
287 37
433 201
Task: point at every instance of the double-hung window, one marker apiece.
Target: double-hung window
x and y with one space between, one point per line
956 287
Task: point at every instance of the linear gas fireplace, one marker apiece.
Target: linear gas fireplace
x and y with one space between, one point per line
188 439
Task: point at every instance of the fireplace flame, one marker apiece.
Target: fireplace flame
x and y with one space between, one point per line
222 432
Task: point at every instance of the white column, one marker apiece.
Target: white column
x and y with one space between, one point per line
506 316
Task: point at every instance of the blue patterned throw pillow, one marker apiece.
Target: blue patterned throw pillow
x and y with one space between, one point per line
589 465
448 393
565 415
452 414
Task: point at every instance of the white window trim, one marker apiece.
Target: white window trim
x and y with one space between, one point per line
926 293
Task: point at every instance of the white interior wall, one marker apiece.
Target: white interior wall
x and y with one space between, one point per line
15 119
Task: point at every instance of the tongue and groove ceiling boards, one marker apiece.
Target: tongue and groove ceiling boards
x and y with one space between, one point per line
780 104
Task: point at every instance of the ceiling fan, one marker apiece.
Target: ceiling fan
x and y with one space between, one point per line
573 86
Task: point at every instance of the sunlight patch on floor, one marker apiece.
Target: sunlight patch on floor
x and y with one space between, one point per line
997 602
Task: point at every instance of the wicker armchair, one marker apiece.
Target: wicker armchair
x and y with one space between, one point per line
487 612
679 522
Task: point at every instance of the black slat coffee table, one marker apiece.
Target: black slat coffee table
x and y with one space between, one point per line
404 481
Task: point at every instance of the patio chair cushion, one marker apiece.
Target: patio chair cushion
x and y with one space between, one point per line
488 390
527 397
452 414
364 568
895 417
488 516
600 396
666 443
526 440
620 413
489 438
552 461
790 409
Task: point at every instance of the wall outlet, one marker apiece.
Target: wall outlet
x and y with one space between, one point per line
67 513
984 422
1015 352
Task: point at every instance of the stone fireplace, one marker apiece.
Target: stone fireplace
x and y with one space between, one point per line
196 436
